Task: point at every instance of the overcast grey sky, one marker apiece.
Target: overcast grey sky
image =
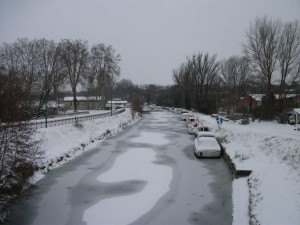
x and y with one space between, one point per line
152 36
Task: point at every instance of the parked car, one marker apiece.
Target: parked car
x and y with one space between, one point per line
61 107
292 122
206 145
183 111
201 129
244 121
184 115
190 119
193 127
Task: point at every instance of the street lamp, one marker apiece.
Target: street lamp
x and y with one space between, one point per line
111 93
111 99
46 102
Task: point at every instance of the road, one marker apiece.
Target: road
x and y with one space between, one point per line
146 174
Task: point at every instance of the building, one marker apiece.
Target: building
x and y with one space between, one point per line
116 104
251 101
83 103
52 107
248 103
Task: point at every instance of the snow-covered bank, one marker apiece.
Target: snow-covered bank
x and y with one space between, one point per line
240 199
62 143
272 152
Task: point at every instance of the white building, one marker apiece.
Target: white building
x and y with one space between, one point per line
83 103
117 104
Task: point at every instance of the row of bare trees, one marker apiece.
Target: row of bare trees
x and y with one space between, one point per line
236 79
45 68
270 64
273 51
196 78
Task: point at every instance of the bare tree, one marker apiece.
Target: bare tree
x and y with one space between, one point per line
21 59
124 88
74 55
182 79
235 74
204 72
104 67
50 68
136 105
8 58
90 84
35 63
27 62
207 69
263 38
289 57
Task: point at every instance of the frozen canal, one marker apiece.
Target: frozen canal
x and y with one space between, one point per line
147 174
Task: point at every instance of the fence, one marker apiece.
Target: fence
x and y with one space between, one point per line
59 122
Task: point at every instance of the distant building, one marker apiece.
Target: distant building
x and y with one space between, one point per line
83 103
249 103
52 107
116 104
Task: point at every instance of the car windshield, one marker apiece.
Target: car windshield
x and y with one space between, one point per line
209 135
203 129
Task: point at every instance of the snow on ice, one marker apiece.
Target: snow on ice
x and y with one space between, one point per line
151 138
126 168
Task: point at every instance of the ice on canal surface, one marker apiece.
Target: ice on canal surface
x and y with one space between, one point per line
151 138
135 164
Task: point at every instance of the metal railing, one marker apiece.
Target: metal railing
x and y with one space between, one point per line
51 123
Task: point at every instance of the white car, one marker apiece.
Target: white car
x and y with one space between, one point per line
193 127
184 115
201 129
190 119
206 145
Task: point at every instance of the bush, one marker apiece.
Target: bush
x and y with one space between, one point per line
265 112
20 155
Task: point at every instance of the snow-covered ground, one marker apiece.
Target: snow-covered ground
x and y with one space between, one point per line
270 195
61 143
272 152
